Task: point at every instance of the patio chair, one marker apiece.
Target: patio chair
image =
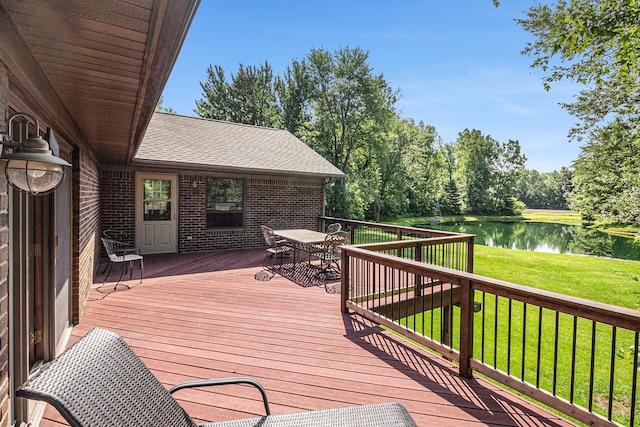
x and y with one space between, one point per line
318 249
334 228
99 381
331 255
279 224
275 247
116 254
121 248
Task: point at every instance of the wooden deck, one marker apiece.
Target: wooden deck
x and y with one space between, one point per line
206 316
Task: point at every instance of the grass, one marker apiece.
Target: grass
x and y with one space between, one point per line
607 280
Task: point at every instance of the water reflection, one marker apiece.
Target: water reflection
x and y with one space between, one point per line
546 237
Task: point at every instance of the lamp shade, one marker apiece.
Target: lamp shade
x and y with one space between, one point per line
33 168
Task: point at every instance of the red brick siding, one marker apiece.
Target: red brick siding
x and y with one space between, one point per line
86 224
118 203
297 200
4 261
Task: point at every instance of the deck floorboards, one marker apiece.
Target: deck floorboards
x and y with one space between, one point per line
207 316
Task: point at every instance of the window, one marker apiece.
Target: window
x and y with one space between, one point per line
225 200
157 200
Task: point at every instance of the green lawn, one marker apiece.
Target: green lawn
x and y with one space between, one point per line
607 280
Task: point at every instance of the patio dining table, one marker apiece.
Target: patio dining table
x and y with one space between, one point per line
302 238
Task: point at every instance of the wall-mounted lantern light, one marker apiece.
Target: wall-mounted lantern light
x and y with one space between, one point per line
31 167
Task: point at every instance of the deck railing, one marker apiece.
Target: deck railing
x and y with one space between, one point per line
577 356
444 248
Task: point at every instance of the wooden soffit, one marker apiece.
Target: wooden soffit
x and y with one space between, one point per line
97 67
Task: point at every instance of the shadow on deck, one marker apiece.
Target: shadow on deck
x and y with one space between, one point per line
205 316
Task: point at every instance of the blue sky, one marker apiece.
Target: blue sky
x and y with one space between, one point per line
457 63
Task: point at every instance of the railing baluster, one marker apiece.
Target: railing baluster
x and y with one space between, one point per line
509 317
592 364
539 350
442 316
482 339
451 314
634 381
524 341
555 354
573 359
612 371
432 311
495 334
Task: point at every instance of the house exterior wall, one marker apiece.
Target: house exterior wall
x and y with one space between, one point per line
298 200
118 204
86 229
4 262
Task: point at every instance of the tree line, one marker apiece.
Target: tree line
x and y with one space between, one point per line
334 102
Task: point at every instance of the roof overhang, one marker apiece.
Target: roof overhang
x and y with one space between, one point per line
196 167
94 71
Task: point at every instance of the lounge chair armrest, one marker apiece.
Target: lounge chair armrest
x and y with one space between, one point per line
224 381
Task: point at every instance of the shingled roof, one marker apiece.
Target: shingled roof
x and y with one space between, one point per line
198 143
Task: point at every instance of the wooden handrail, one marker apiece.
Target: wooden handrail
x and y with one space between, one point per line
587 309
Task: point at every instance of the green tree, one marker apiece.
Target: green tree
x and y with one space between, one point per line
249 98
423 169
559 187
531 189
545 190
351 106
450 203
450 199
595 43
408 168
606 176
294 90
476 154
508 164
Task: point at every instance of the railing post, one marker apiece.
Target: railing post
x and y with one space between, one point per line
418 286
466 328
470 243
344 281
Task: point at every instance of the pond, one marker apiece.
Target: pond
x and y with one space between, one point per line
546 237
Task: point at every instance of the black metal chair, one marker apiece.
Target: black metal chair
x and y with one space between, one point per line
318 249
275 248
122 248
99 381
116 255
331 255
334 228
279 224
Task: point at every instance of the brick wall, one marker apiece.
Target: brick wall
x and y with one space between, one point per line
298 200
4 261
118 204
86 228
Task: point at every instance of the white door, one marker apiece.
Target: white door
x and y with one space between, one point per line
156 213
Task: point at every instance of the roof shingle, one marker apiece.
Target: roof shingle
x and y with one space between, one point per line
218 145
